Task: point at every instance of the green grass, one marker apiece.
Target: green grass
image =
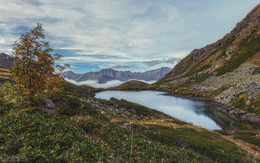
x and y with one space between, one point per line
35 136
79 132
195 68
67 105
38 137
223 49
144 149
224 132
196 80
247 48
3 80
206 143
250 136
198 68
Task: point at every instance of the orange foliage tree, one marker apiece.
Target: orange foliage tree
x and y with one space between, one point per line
34 72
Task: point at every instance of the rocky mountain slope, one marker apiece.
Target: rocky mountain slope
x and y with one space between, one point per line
6 60
227 70
109 74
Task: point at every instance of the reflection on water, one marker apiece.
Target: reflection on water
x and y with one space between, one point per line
196 112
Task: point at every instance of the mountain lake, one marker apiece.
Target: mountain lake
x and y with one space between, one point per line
199 113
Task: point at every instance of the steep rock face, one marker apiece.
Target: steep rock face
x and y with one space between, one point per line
6 60
227 70
109 74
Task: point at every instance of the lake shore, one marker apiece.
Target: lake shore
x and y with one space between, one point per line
244 116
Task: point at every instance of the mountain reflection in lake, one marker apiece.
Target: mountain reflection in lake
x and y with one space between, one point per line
197 112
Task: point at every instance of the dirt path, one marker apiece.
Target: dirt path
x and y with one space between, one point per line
244 145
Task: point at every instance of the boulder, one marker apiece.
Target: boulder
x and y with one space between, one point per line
49 106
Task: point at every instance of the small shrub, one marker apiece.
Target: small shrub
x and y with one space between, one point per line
204 142
242 102
93 112
67 105
224 132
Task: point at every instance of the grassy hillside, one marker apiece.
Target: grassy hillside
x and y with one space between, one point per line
79 132
133 85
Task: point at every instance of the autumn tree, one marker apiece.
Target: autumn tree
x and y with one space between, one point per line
34 72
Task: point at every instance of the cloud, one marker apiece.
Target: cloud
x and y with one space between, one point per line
170 11
107 27
84 59
119 67
171 61
109 84
127 30
95 84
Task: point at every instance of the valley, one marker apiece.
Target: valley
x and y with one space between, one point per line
205 109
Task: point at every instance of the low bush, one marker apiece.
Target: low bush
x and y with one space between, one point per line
89 110
38 137
224 132
204 142
143 149
242 102
68 105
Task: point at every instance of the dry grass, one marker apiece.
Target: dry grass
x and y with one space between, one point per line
4 73
244 145
213 58
255 59
165 122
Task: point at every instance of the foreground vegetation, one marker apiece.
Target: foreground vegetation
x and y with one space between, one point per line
79 132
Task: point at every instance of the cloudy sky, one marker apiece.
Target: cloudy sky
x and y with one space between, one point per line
122 34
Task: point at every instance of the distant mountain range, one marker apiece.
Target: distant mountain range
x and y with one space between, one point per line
106 75
102 76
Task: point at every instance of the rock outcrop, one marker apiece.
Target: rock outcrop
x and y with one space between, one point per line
112 110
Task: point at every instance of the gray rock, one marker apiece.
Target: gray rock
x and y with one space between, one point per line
251 118
49 106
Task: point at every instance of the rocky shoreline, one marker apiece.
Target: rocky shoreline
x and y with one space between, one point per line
244 116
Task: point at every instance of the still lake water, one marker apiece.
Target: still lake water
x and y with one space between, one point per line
197 112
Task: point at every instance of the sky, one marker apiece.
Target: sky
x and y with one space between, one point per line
121 34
